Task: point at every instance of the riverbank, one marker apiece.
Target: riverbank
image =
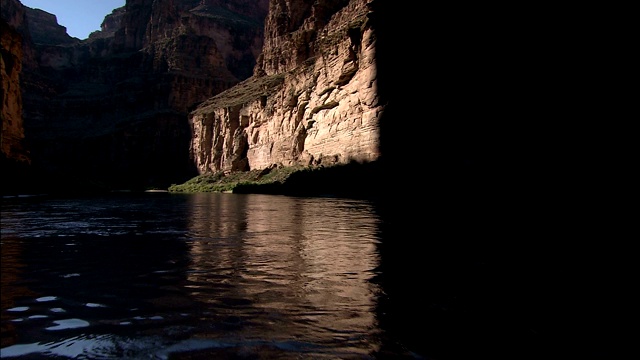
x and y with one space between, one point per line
350 180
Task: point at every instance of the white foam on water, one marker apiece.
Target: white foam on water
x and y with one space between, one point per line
19 309
68 324
69 275
70 348
46 298
38 316
20 350
94 305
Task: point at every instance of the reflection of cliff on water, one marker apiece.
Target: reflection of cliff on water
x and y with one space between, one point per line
12 287
283 267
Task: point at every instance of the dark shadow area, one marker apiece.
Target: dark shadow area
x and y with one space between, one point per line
498 248
500 241
353 180
129 159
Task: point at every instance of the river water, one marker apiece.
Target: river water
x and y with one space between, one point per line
246 276
152 275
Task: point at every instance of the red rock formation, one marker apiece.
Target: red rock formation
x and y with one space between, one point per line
113 108
313 98
10 67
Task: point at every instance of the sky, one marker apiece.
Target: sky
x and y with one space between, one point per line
80 17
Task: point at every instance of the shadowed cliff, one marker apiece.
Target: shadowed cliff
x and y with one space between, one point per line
109 112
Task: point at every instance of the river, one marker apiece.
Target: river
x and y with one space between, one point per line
251 276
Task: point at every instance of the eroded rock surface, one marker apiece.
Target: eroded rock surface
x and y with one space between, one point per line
113 108
11 111
312 98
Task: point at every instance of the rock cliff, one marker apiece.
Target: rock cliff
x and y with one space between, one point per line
44 28
167 90
311 100
112 109
10 68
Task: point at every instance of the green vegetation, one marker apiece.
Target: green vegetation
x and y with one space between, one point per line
355 179
219 182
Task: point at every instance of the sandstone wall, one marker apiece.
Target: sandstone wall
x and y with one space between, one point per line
130 86
312 99
11 109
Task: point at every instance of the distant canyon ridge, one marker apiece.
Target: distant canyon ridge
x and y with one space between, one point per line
169 90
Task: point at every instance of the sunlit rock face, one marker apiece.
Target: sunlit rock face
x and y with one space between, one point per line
169 89
113 107
312 98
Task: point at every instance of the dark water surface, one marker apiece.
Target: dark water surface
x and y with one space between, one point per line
148 276
231 276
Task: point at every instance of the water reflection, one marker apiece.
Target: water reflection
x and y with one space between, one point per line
163 276
11 288
286 268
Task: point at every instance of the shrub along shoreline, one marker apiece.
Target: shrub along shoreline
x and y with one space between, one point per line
350 180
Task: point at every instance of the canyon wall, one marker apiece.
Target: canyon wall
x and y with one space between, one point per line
44 28
167 90
312 99
112 109
11 111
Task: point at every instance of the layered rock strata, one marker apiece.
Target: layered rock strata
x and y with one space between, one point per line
312 99
113 108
